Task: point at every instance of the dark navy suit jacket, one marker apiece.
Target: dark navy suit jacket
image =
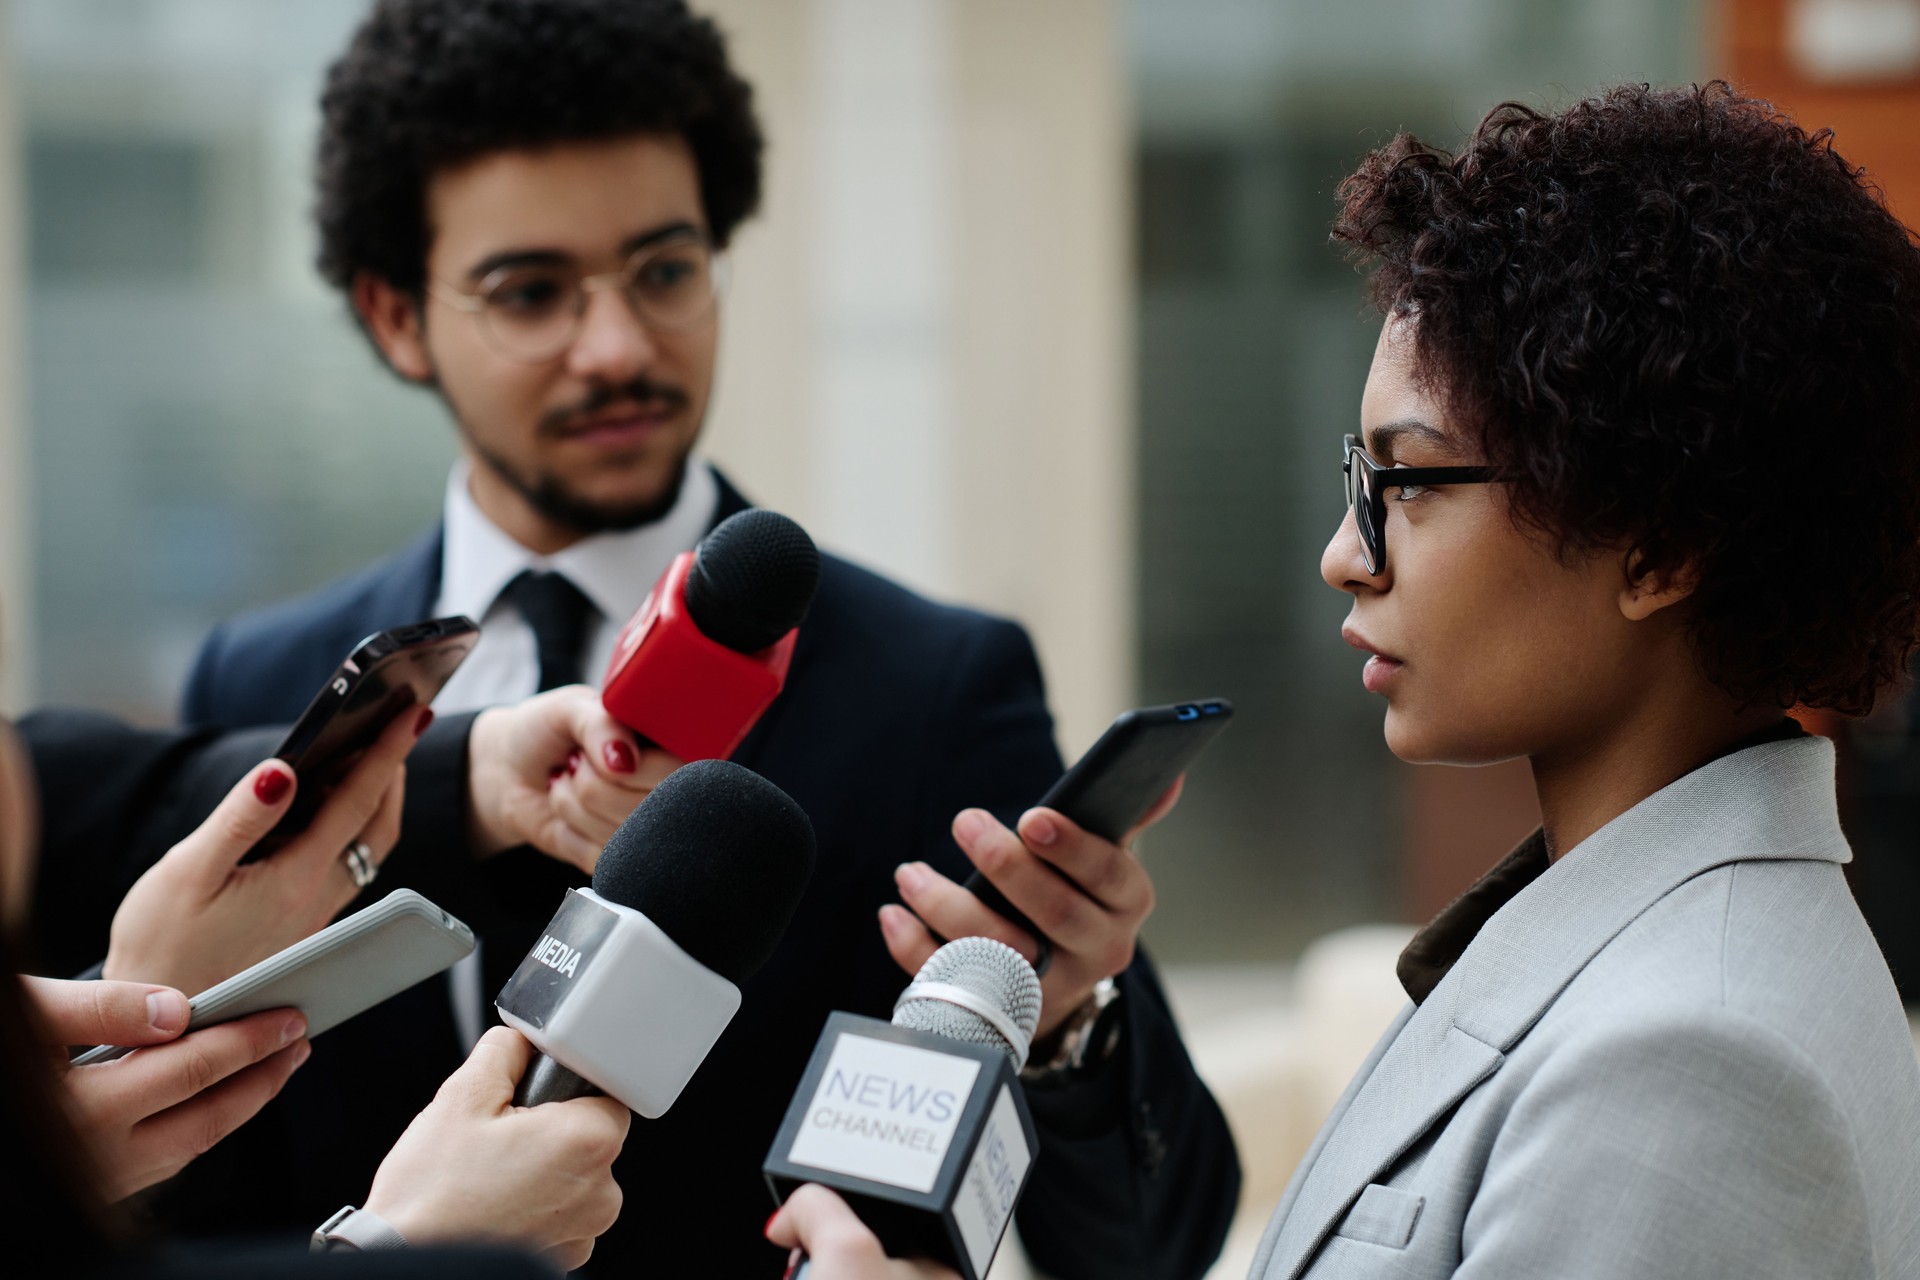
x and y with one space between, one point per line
898 713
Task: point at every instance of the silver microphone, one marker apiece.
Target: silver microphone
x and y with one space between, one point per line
976 991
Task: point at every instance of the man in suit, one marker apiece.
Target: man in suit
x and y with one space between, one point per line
524 202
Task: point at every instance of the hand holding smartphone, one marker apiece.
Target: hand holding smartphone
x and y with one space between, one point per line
1115 784
345 969
386 675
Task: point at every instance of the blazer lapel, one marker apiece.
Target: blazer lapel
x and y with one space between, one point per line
1418 1076
1270 1240
405 592
1769 802
1774 801
732 501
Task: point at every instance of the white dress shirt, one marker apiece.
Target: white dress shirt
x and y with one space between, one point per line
614 570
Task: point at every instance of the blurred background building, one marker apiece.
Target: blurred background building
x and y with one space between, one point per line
1039 315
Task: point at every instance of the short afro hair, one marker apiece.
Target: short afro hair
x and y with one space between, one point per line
1679 323
429 84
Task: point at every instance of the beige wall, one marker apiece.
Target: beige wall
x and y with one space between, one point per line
16 658
928 336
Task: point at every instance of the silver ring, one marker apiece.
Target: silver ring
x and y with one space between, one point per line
360 863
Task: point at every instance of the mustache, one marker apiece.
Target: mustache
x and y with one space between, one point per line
642 391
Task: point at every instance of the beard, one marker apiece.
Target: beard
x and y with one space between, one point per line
549 495
552 499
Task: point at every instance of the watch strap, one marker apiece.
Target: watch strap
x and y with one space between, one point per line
354 1230
1084 1042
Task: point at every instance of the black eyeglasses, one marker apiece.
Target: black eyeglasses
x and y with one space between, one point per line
1367 493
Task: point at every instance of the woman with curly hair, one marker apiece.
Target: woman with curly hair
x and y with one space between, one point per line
1638 473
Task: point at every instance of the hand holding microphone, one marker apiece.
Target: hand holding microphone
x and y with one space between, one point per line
634 979
556 772
473 1166
919 1124
709 649
624 995
692 672
829 1240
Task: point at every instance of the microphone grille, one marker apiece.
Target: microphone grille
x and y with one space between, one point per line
719 858
986 968
753 580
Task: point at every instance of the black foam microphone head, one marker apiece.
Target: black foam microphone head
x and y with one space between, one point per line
752 580
718 857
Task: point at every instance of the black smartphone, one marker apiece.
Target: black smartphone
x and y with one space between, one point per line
1114 785
386 675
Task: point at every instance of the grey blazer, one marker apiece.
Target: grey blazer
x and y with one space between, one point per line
1677 1052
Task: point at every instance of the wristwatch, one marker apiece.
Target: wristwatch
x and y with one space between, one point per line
354 1230
1085 1041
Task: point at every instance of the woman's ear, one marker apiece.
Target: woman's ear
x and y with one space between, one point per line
1647 588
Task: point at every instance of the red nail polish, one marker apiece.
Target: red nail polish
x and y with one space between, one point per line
619 757
770 1218
573 762
271 787
425 719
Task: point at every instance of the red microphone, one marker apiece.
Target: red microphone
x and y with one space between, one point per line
709 649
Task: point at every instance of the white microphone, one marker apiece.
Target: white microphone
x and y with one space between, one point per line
921 1124
635 978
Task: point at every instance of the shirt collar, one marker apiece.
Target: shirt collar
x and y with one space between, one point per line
1435 948
614 570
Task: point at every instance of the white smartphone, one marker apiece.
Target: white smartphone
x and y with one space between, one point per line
346 968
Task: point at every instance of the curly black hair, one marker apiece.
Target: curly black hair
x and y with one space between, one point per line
428 84
1679 323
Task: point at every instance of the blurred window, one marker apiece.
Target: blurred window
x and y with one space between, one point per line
208 431
80 192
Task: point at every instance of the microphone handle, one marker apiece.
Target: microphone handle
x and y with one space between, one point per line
547 1081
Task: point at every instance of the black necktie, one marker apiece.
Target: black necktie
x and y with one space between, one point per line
525 885
560 617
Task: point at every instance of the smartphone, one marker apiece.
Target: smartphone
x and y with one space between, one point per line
386 675
1114 785
346 968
